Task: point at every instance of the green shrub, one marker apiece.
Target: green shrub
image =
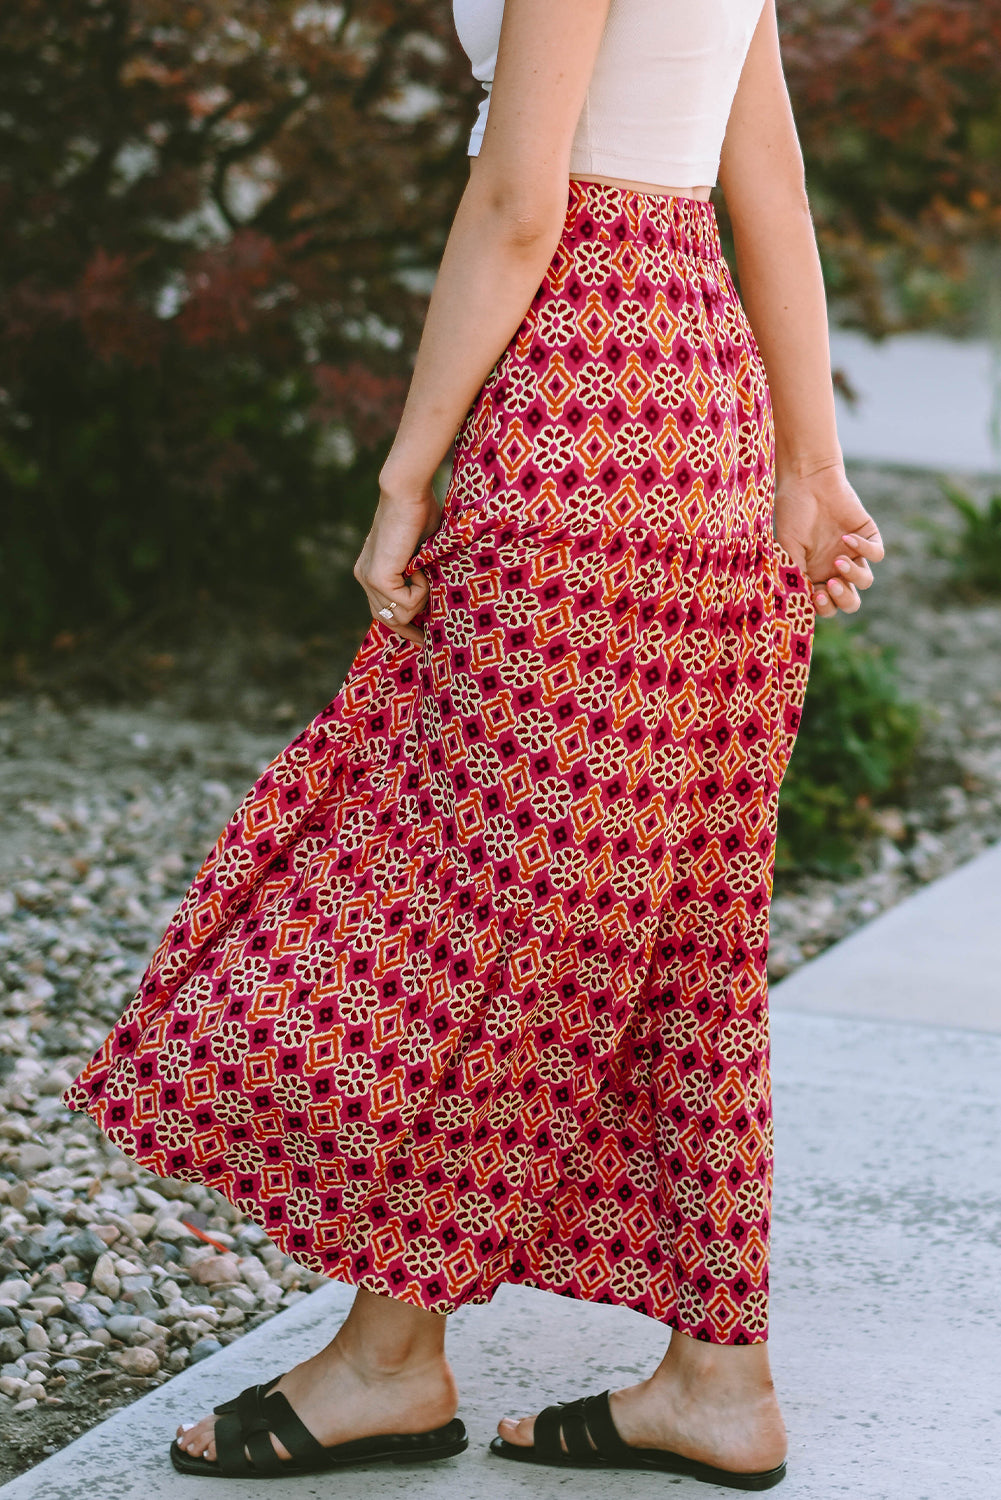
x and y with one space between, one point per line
976 552
853 753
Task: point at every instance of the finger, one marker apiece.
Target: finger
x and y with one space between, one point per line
844 596
854 571
408 599
398 624
866 543
824 604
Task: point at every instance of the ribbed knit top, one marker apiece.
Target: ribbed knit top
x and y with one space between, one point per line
660 94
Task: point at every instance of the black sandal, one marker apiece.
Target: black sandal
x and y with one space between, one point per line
246 1422
593 1442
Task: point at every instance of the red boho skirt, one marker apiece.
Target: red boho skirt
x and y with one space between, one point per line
472 988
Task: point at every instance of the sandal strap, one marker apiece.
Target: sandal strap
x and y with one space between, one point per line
260 1391
546 1439
575 1433
278 1416
229 1445
601 1425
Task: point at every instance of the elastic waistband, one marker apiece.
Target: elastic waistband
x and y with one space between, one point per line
687 225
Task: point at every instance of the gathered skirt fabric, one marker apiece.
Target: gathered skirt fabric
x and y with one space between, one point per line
472 988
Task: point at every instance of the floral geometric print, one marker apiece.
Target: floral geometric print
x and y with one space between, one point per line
472 987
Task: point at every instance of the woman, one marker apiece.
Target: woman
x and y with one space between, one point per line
472 988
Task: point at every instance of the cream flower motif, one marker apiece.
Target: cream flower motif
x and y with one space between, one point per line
556 1265
302 1207
689 1197
631 323
594 971
596 690
748 440
500 838
460 627
552 798
737 1041
431 715
522 668
294 1027
233 867
123 1080
564 1126
611 1112
484 763
291 1091
416 972
465 694
301 1148
422 1255
643 1170
306 851
721 814
630 876
752 1200
590 629
452 1112
233 1108
522 385
722 1259
754 1312
505 1110
357 1140
291 765
602 1033
744 872
668 384
667 765
443 791
630 1277
230 1041
193 995
585 572
553 449
175 1128
474 1213
697 1091
359 1001
592 262
567 868
557 322
701 448
691 1307
517 608
632 445
173 1060
720 1149
246 1157
535 729
357 828
584 508
555 1063
356 1074
667 1134
604 1218
407 1196
607 758
314 962
595 386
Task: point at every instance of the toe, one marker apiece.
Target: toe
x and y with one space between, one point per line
517 1430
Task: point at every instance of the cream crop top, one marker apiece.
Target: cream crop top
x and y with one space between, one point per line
660 94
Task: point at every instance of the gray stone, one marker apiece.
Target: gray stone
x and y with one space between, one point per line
67 1367
16 1289
86 1314
8 1318
36 1338
139 1361
86 1246
123 1325
11 1345
31 1158
103 1278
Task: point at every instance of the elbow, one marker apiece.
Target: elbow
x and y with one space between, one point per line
526 216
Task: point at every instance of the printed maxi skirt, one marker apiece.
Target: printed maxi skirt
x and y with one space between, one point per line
472 988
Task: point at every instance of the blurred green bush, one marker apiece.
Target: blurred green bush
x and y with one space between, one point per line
975 553
854 751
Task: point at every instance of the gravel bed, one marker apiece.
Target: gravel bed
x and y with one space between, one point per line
108 1284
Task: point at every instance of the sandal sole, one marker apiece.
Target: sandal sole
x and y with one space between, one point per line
185 1463
660 1462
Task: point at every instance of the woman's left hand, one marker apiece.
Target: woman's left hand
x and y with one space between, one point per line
382 569
827 531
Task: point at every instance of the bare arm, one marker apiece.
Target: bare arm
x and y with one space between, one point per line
505 232
782 288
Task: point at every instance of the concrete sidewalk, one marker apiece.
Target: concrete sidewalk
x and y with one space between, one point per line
886 1264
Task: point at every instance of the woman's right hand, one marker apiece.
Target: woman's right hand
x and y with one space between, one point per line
827 531
399 527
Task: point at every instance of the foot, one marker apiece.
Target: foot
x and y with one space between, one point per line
742 1432
339 1395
